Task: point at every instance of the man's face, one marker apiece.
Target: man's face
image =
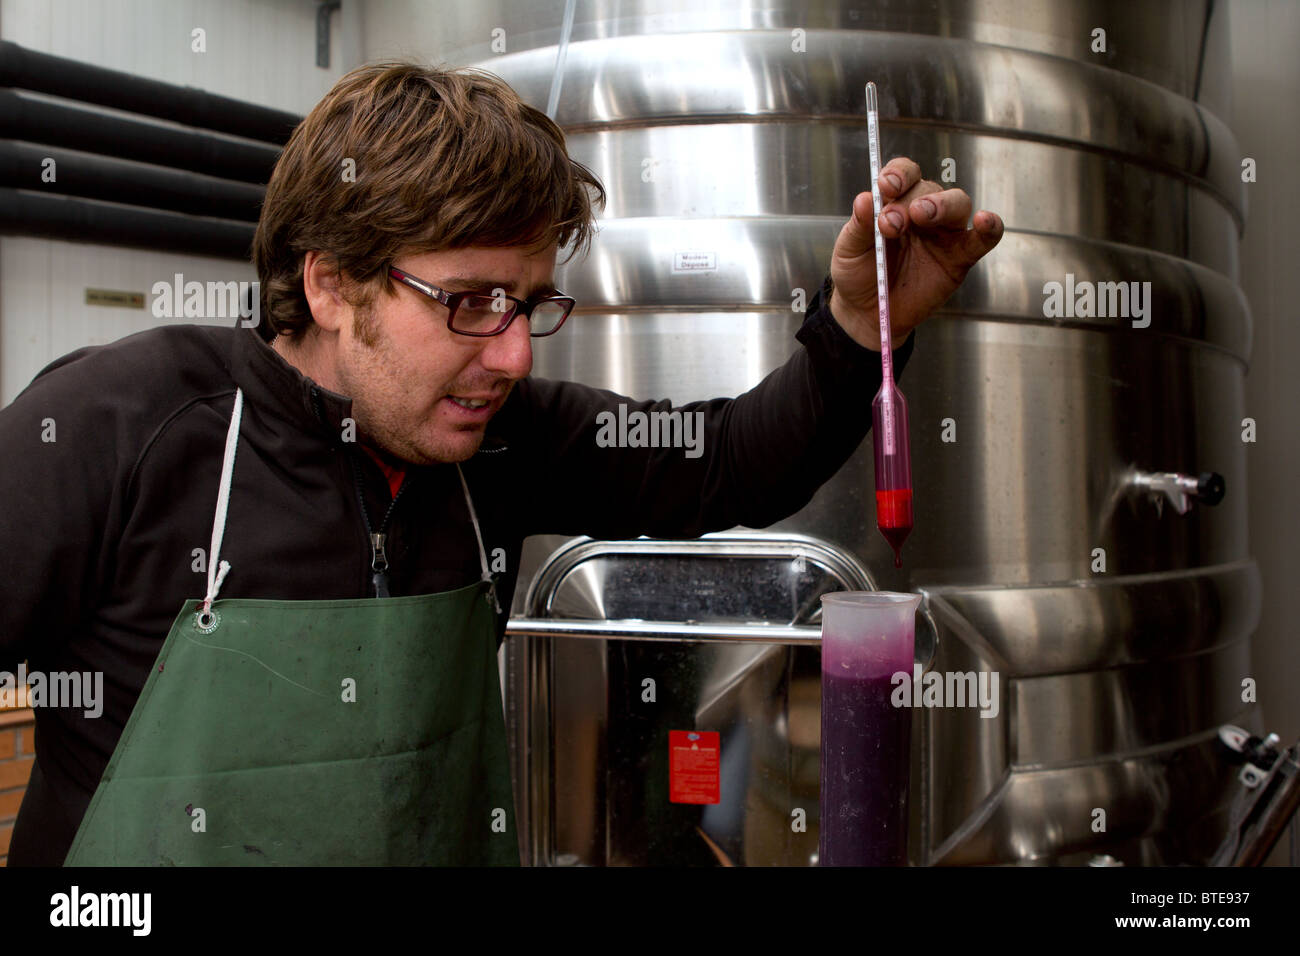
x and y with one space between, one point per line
410 381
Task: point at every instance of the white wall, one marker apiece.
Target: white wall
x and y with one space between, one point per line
43 285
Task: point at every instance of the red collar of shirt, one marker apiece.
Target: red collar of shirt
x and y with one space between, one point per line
395 473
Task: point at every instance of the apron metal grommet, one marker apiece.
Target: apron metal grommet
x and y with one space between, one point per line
207 621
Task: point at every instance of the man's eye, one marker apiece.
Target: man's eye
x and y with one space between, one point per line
484 303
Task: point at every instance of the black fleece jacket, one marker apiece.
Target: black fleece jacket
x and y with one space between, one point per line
99 527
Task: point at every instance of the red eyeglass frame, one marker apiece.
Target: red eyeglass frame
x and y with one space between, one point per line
453 299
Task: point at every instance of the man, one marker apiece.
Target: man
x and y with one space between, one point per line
319 502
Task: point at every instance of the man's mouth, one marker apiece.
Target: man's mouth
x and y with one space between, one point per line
474 408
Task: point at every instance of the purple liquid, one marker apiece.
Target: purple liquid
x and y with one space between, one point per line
866 758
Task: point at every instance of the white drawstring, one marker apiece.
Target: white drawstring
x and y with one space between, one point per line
482 554
217 569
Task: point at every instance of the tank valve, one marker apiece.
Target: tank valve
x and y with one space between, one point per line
1208 487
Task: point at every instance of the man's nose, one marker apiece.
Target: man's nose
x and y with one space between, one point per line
511 352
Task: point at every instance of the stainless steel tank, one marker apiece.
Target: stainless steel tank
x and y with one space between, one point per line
1055 541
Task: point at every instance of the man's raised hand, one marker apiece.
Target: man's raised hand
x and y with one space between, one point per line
929 249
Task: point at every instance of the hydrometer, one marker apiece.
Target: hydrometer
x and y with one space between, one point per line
889 410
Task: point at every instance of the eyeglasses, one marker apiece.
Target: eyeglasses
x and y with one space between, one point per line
482 314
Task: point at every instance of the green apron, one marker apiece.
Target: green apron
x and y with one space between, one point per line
350 732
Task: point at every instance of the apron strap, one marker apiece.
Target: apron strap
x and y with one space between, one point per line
217 569
482 554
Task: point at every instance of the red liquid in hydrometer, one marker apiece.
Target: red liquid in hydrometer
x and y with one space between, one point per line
893 468
894 518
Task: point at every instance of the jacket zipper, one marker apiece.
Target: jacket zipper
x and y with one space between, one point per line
379 566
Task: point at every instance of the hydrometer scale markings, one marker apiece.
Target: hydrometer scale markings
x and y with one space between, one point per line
889 410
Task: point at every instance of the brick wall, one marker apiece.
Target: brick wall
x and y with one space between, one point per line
17 753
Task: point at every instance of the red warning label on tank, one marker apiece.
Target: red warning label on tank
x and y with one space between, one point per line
693 766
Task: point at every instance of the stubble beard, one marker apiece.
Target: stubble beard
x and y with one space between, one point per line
380 427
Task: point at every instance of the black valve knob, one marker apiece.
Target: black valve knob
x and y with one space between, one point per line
1210 487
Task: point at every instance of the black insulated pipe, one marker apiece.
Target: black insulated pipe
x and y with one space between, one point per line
136 184
58 76
91 131
142 183
82 220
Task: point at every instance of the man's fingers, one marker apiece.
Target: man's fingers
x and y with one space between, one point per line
986 234
951 210
988 228
895 217
898 176
948 207
857 238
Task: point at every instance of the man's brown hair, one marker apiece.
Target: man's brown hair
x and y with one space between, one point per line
443 159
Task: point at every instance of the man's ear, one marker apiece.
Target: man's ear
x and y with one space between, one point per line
321 284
